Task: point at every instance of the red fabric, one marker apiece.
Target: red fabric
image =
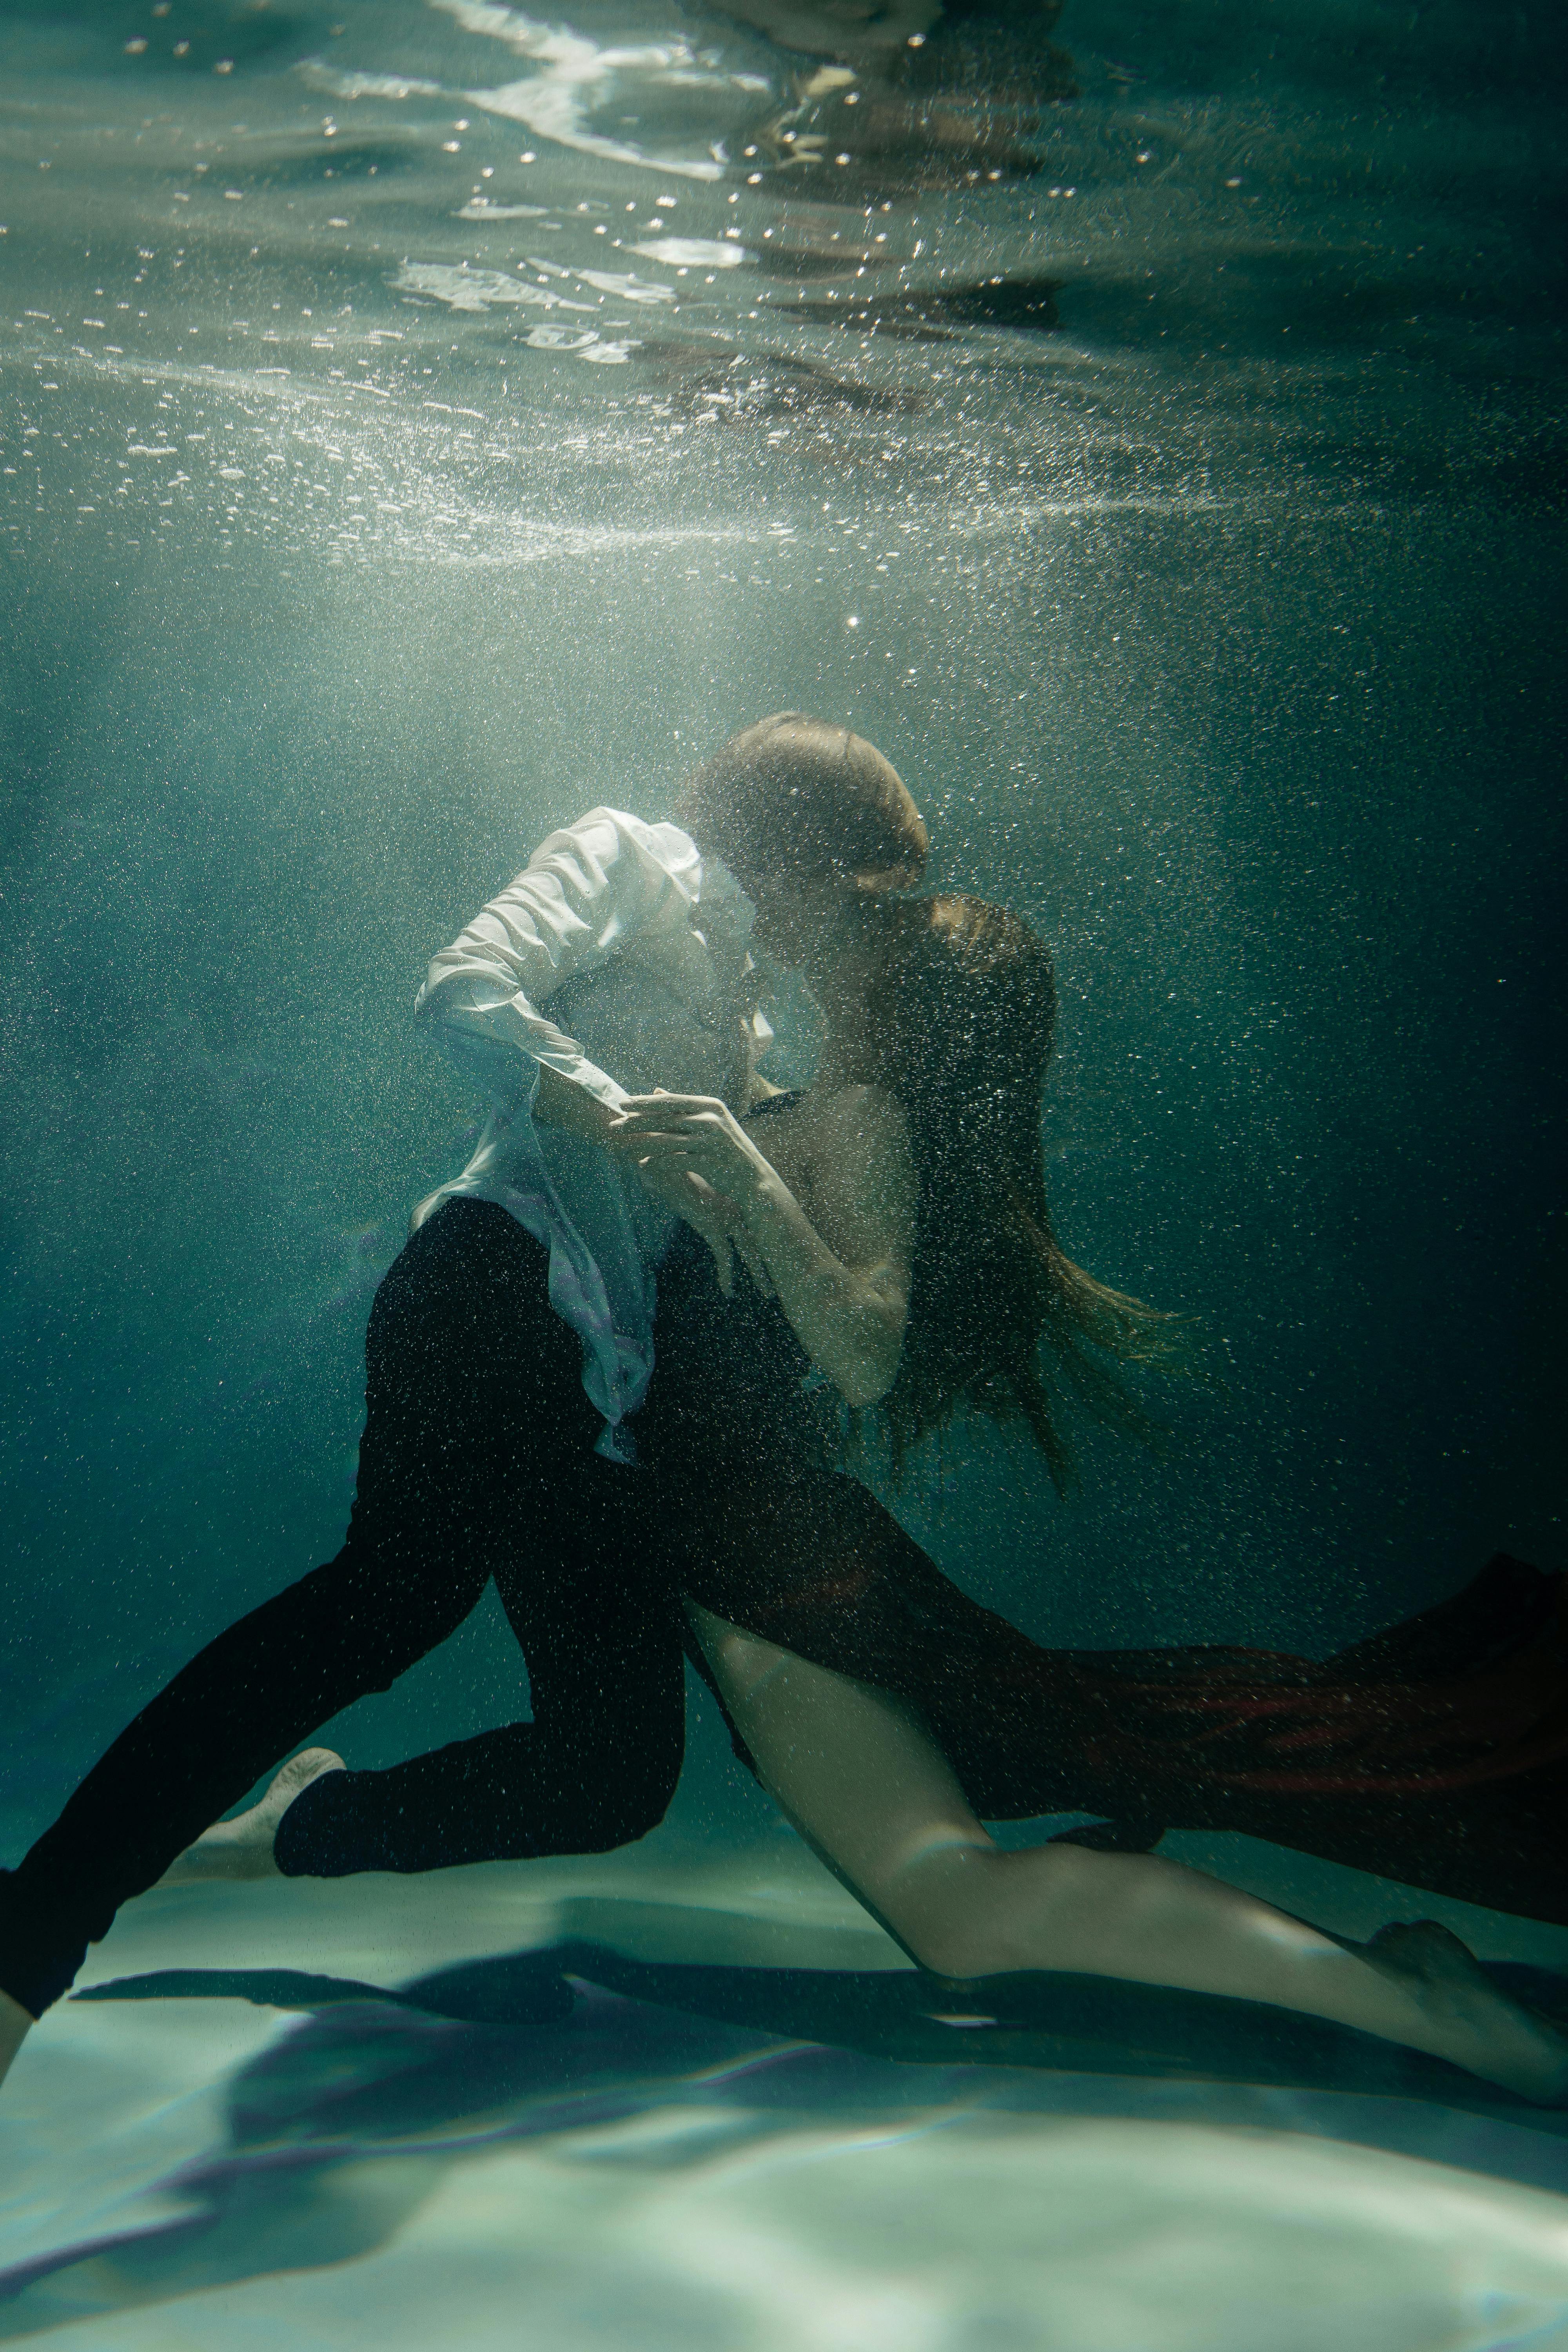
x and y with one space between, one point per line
1264 1720
1436 1753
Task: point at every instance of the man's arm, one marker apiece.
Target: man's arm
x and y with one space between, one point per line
583 893
561 1103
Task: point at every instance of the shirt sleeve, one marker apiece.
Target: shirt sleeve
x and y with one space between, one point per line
587 891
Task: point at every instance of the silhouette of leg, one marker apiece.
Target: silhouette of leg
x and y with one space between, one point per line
476 1453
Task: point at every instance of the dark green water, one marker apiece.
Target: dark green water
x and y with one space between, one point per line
1177 502
1210 628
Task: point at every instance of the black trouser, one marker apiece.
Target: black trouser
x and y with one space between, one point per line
477 1461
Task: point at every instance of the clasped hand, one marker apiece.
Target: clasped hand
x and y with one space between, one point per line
692 1153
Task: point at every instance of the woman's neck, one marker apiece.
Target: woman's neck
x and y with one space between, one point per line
837 1065
843 978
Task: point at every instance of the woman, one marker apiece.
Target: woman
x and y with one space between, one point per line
896 1244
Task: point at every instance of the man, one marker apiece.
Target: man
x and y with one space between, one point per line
509 1348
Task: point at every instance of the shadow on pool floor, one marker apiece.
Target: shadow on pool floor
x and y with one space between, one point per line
342 2128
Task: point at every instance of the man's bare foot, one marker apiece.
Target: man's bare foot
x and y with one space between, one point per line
14 2025
1493 2036
243 1848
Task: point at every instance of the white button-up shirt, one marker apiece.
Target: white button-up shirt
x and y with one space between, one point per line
638 945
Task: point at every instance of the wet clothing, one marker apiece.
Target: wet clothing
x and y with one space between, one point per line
1436 1753
636 941
477 1461
505 1348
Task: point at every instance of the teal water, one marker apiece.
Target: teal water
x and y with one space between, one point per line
421 421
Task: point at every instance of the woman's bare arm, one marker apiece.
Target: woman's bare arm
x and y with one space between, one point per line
844 1282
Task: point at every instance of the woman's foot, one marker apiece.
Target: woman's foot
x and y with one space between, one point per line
243 1848
1493 2036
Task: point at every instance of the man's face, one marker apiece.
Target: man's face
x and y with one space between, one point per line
796 914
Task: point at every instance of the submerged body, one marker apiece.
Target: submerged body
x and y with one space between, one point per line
1434 1752
506 1346
832 1641
885 1712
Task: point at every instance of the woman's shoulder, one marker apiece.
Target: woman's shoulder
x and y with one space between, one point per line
865 1121
860 1101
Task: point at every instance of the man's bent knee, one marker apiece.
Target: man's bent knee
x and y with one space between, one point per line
607 1818
610 1826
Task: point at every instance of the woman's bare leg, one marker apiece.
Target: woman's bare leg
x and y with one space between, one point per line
862 1778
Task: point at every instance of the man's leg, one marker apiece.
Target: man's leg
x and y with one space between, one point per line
474 1406
597 1765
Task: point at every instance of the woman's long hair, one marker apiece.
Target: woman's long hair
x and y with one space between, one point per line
1000 1317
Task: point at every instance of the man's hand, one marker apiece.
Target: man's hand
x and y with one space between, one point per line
698 1136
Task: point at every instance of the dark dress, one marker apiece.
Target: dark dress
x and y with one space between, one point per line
1436 1753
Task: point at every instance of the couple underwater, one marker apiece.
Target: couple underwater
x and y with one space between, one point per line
879 1244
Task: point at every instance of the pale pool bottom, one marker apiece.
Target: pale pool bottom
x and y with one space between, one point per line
726 2191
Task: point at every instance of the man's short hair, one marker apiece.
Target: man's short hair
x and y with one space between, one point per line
792 794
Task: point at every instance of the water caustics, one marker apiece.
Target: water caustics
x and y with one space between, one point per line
910 280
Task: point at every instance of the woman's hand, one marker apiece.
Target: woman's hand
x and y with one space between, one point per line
844 1282
694 1136
694 1157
